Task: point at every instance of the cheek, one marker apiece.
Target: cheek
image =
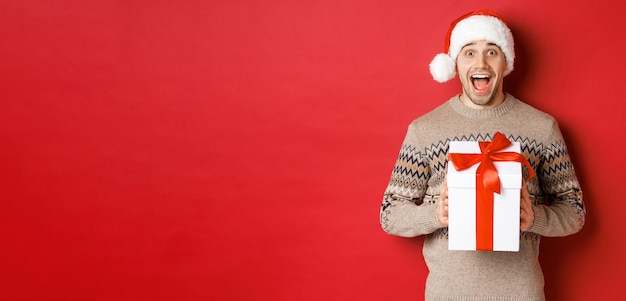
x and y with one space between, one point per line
464 64
460 67
462 71
499 64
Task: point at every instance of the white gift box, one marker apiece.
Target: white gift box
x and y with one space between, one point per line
462 201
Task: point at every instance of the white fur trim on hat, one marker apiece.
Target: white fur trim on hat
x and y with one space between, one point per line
466 31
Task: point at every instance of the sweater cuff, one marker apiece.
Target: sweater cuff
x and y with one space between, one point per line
540 223
430 222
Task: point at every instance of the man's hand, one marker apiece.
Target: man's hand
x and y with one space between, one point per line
526 214
441 212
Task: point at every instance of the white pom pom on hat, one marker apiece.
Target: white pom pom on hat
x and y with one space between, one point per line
475 26
442 68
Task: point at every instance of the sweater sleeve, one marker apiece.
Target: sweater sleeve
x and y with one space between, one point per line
405 218
563 213
406 210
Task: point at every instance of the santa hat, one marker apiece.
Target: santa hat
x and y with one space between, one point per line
475 26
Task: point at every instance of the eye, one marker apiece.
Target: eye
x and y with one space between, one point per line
492 52
469 53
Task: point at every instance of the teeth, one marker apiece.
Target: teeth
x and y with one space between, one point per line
480 76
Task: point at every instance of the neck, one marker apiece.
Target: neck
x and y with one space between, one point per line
484 103
503 108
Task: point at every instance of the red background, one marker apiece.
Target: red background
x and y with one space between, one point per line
238 150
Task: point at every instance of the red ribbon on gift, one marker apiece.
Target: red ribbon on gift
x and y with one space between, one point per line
487 182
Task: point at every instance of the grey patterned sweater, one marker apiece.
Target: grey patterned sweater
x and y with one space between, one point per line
408 207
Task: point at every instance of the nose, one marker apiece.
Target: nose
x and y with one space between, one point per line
481 60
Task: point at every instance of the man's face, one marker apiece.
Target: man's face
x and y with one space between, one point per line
481 66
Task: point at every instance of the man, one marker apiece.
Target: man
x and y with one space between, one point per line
479 48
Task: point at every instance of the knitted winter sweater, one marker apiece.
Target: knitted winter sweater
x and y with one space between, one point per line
408 207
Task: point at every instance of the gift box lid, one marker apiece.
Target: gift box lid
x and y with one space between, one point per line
510 173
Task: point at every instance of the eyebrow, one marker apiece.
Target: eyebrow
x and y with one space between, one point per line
474 43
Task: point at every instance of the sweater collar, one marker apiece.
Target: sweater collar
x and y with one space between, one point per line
501 109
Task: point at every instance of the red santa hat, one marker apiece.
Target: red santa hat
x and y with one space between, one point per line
475 26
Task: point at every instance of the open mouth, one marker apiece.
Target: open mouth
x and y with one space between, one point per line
480 82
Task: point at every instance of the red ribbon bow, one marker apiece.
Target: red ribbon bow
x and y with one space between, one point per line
487 182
